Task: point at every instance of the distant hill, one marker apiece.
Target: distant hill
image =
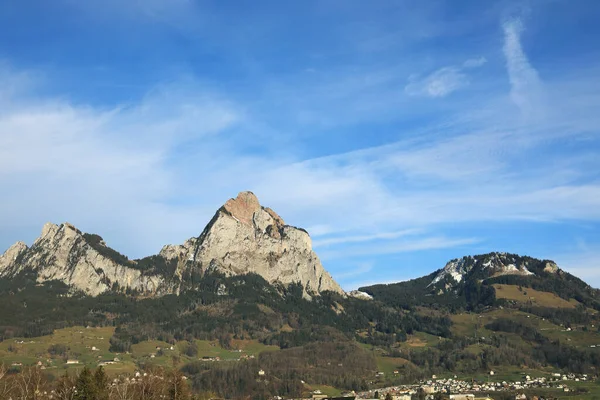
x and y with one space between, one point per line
471 282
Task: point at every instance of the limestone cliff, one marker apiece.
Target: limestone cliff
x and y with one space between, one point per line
243 237
63 253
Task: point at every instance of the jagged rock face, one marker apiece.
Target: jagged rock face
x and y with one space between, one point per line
62 253
243 237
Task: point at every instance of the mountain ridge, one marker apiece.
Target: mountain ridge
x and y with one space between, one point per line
242 237
469 281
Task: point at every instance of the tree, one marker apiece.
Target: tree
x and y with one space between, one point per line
85 386
58 349
151 386
122 390
225 340
191 350
7 384
101 384
177 387
29 383
65 388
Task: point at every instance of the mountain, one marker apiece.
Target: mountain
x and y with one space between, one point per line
472 282
243 237
490 266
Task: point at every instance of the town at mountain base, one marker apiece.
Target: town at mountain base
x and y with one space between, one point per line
246 310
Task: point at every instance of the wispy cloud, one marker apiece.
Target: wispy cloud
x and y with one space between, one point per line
420 244
363 238
439 84
475 62
107 170
526 86
442 82
358 270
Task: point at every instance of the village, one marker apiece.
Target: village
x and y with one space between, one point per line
456 389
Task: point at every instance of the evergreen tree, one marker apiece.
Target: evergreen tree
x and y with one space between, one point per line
85 386
101 384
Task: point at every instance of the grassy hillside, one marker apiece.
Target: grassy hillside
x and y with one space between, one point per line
90 347
532 296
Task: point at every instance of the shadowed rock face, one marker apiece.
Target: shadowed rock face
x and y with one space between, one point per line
243 237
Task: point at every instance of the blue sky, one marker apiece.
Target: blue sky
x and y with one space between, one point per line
400 134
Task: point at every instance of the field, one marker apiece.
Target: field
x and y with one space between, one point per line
531 296
388 365
90 346
86 345
421 339
328 390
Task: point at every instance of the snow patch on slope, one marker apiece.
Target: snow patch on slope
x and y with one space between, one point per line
457 269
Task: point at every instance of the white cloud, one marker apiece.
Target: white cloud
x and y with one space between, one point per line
439 84
526 86
106 170
442 82
363 238
475 62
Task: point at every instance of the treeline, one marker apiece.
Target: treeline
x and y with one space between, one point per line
31 383
524 331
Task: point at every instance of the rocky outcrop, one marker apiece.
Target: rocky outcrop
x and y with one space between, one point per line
62 253
243 237
360 295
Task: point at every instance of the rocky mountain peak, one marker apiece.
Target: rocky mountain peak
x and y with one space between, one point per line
243 207
64 253
12 254
245 237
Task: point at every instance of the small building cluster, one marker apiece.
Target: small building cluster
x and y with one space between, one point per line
458 389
